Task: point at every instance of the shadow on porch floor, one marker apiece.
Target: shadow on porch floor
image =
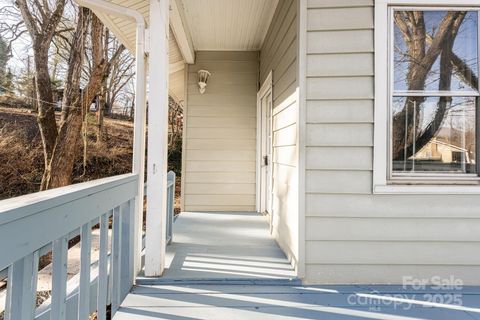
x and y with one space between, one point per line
251 301
227 266
227 245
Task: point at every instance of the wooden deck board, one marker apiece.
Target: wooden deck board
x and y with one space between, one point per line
217 301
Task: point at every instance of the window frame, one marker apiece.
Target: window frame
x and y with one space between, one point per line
428 183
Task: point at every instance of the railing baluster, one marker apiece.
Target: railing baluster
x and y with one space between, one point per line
22 288
169 205
59 279
126 210
172 208
116 253
110 260
102 269
85 262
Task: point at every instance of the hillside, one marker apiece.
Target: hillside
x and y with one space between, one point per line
21 157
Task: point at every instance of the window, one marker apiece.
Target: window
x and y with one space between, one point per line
426 94
434 93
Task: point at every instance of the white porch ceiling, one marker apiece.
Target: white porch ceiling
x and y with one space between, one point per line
213 24
223 25
228 24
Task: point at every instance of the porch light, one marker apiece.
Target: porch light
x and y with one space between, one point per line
203 76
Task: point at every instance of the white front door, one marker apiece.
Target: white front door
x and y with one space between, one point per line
266 147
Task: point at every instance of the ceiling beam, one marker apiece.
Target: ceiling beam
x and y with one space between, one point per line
180 30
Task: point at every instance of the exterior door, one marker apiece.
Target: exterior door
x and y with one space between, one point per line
266 150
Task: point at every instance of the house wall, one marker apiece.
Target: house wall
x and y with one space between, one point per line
352 235
279 55
220 133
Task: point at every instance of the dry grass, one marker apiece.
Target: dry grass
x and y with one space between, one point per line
21 155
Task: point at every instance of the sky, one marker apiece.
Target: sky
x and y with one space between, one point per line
21 48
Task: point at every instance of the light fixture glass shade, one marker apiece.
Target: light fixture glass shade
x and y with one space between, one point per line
203 76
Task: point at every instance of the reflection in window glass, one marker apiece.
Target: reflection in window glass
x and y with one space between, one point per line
433 134
425 44
435 92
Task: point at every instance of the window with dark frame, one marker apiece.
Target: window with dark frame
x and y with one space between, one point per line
434 94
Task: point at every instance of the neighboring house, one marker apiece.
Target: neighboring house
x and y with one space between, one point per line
437 153
58 97
307 110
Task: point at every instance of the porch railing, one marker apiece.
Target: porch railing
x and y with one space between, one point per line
170 203
31 225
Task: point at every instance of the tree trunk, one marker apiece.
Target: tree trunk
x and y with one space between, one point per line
100 113
59 170
421 64
42 29
61 166
46 107
446 70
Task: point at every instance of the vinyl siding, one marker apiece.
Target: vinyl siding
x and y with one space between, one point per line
220 137
279 55
352 235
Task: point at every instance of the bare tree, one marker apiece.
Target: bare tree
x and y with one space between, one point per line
121 74
42 21
59 170
423 50
175 126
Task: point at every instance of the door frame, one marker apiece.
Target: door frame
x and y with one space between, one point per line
266 87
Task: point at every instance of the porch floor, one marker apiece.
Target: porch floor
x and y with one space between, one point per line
188 301
227 266
226 245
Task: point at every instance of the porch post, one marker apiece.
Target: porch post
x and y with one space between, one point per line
155 241
138 166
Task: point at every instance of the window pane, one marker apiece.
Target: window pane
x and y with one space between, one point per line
435 50
433 134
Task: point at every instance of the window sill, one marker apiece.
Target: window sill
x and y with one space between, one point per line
426 189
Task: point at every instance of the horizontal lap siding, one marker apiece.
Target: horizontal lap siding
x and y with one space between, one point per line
279 55
221 133
353 236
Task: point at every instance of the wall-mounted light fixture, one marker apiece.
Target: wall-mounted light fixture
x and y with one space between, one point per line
203 76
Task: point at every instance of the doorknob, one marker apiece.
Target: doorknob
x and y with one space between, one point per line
265 160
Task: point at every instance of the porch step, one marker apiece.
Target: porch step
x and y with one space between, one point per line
149 281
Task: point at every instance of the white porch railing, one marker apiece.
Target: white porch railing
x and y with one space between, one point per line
31 225
170 205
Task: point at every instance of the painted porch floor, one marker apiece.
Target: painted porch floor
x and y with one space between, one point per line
222 301
224 266
223 246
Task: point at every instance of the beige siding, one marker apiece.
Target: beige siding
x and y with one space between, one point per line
279 56
219 173
352 235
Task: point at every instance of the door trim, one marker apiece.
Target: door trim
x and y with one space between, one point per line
264 89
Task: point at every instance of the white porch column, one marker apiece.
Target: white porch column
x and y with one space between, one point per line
139 142
155 241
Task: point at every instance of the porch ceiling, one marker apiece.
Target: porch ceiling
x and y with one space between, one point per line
212 24
228 24
124 29
217 25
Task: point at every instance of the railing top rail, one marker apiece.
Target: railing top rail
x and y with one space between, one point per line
24 206
30 222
